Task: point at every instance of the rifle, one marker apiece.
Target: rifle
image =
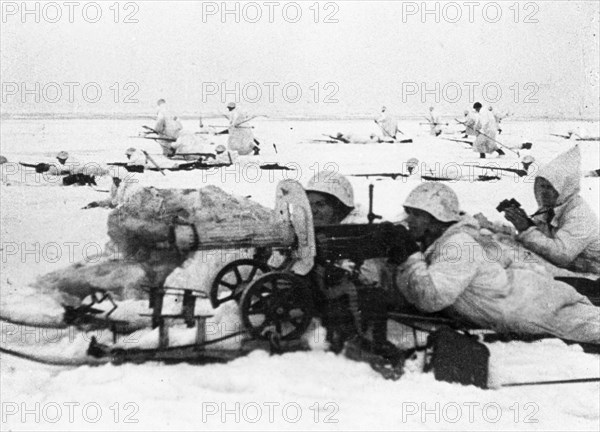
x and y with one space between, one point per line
344 140
434 178
43 167
160 136
223 126
226 131
276 166
386 132
28 165
393 176
562 136
155 138
151 159
324 141
490 138
519 172
200 155
458 140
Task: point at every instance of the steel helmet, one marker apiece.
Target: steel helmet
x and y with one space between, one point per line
231 105
412 162
130 151
332 183
62 155
437 199
528 159
220 148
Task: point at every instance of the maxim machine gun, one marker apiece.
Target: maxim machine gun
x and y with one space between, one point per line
276 301
275 296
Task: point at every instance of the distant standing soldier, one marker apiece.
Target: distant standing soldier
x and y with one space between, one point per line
167 126
388 124
485 130
241 138
434 123
498 117
469 124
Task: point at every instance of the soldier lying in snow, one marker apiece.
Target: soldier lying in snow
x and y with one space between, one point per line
73 171
455 274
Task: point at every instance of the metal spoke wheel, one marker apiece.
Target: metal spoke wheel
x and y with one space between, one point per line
279 302
232 280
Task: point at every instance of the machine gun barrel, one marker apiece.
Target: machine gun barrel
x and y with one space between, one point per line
356 242
246 235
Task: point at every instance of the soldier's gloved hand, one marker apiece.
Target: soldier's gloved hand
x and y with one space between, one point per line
399 242
399 254
334 275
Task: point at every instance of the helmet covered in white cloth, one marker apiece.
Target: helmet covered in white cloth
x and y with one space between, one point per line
437 199
332 183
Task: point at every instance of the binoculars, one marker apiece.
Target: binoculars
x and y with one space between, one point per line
507 203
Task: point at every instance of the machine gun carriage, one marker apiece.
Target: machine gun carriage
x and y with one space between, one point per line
277 300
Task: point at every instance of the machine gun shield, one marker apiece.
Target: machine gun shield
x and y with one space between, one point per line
291 204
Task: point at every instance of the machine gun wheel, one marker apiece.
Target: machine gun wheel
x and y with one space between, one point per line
232 280
279 302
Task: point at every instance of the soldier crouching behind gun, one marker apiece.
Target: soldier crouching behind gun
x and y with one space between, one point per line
352 305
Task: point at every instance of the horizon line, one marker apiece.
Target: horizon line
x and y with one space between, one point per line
134 116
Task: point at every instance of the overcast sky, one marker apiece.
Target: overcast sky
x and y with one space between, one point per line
542 56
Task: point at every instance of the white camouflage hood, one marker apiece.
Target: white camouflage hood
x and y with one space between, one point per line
564 173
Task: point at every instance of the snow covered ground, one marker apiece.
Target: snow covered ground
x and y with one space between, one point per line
44 229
